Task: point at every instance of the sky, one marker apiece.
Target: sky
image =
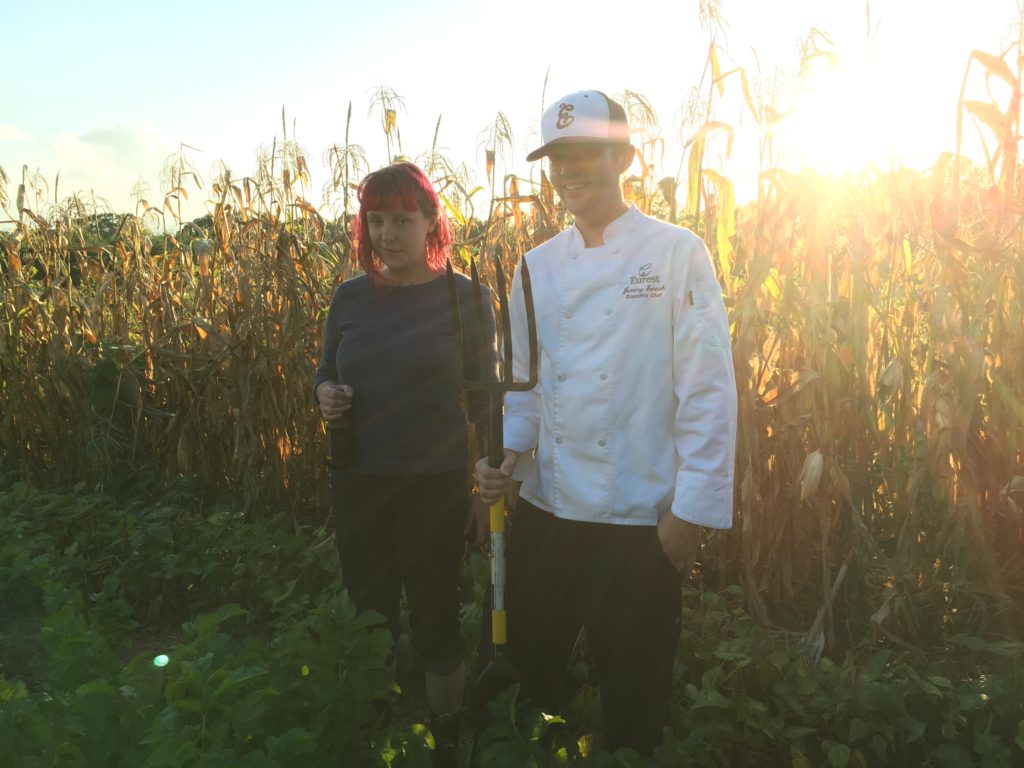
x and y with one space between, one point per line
101 93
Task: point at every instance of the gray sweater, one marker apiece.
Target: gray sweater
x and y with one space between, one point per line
394 346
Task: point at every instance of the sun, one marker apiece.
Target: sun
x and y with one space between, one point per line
869 108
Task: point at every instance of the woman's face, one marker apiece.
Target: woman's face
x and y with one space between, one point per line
399 238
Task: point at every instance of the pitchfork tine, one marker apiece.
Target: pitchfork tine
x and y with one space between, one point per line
481 326
506 323
531 325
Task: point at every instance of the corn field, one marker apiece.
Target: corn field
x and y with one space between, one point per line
878 337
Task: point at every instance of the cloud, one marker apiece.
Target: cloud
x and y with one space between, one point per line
108 160
131 143
128 149
14 134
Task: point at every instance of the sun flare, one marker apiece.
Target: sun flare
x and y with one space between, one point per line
863 110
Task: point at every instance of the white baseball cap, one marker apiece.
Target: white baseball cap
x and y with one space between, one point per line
584 117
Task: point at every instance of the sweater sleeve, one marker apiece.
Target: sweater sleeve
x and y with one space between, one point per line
477 342
331 335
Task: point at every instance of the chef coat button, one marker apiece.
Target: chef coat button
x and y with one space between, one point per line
607 311
604 377
567 315
561 377
602 443
558 440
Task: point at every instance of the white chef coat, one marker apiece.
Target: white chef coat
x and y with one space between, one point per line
634 412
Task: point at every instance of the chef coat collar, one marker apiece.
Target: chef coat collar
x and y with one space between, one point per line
615 229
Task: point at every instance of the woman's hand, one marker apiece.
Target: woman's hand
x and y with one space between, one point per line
478 522
492 482
334 399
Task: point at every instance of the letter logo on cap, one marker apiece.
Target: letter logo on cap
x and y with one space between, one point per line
565 117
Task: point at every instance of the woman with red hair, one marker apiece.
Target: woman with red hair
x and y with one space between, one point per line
387 384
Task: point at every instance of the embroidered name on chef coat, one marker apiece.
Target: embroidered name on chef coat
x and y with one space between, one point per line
644 284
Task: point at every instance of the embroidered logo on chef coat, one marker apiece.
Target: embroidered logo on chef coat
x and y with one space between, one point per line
644 284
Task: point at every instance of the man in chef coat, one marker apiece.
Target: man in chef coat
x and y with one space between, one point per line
625 447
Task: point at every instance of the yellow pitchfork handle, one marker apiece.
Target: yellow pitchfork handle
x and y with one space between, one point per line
499 618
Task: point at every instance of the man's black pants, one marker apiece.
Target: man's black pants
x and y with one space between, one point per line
616 582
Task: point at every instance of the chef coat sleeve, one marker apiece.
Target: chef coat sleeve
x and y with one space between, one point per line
705 391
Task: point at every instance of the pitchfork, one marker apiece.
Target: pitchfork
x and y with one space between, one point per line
499 673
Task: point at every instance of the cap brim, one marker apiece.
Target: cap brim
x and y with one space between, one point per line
545 150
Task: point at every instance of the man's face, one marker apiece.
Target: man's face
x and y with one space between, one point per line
586 176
